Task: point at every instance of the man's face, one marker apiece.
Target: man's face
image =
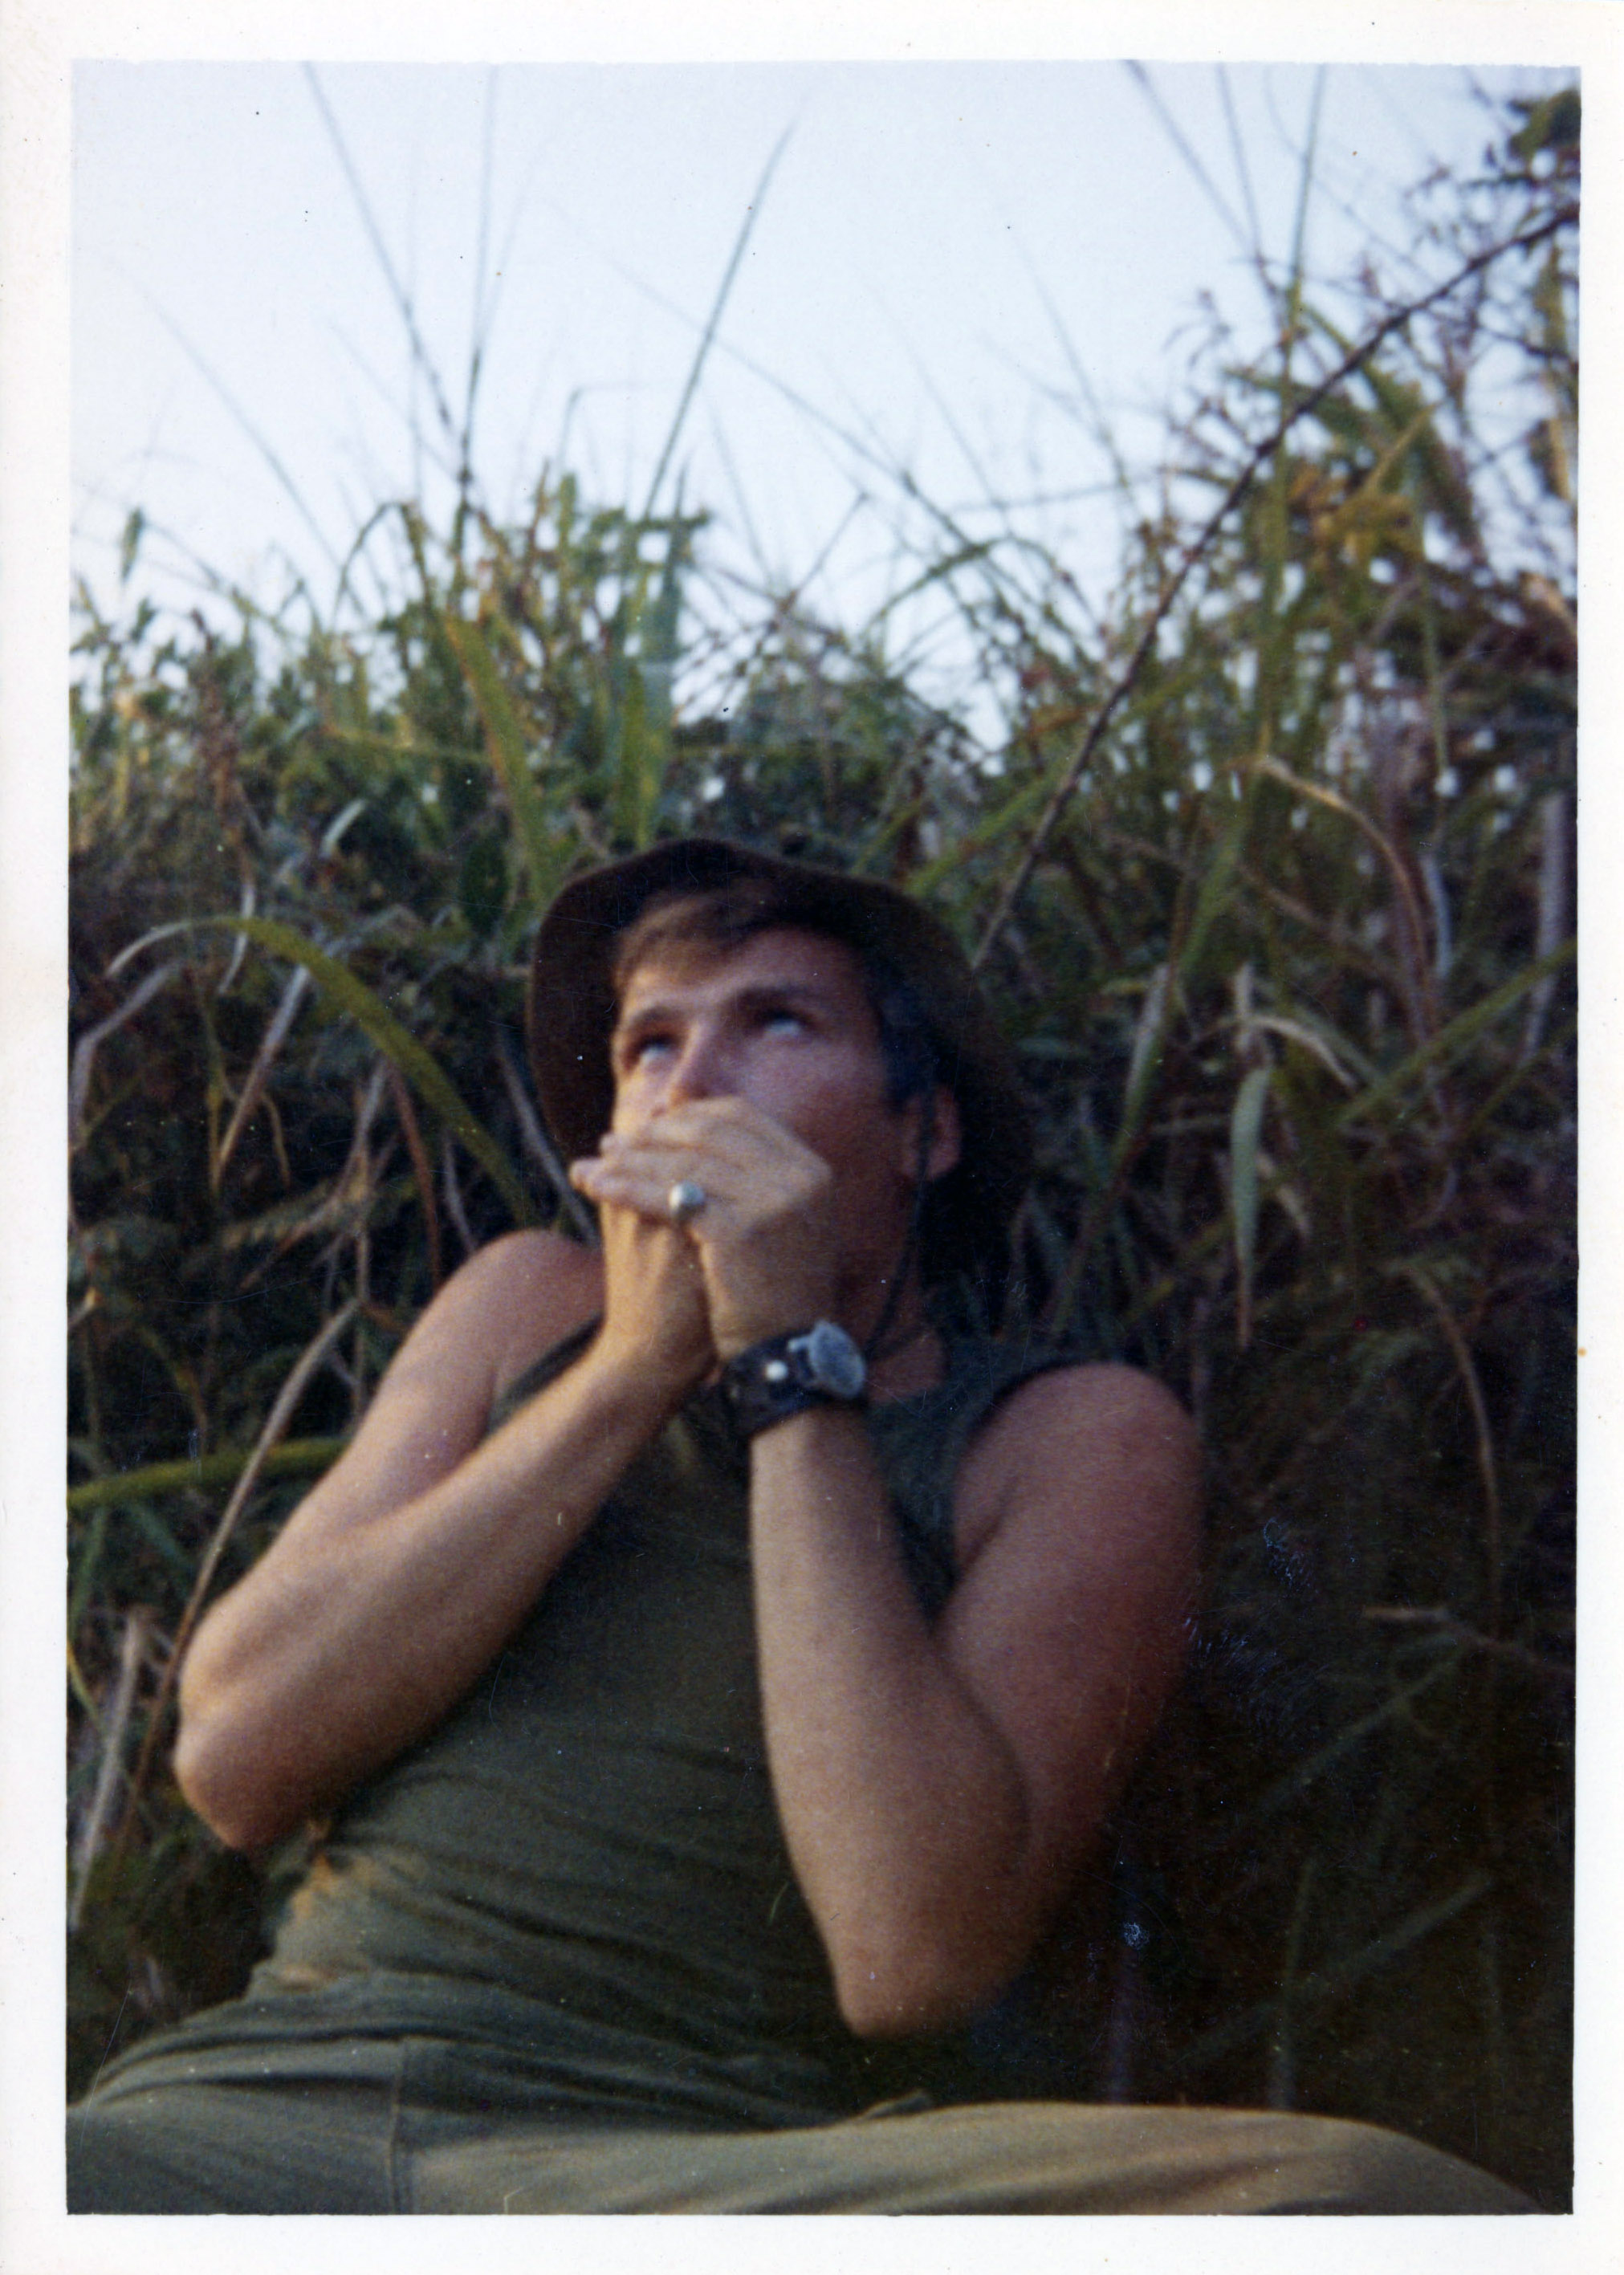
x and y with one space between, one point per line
783 1021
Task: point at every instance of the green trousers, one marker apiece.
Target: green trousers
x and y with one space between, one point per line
330 2131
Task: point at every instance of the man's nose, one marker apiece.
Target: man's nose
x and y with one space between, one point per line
701 1068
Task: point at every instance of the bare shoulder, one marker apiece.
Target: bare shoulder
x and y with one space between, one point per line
512 1300
1096 1447
509 1302
541 1287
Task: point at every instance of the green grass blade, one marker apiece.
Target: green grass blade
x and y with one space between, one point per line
347 993
638 767
296 1457
1245 1133
752 212
1214 896
1011 814
546 856
1453 1038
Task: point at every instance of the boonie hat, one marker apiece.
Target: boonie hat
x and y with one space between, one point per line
570 1011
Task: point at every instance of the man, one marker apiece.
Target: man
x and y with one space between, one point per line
714 1673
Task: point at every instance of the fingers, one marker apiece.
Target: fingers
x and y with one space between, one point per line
728 1129
703 1164
649 1188
655 1304
699 1195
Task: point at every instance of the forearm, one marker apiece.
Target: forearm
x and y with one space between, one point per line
903 1803
351 1639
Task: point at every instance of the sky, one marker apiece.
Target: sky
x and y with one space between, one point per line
956 271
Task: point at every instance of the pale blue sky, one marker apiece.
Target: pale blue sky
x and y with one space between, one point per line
896 281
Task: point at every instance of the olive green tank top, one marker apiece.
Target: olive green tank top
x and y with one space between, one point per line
578 1883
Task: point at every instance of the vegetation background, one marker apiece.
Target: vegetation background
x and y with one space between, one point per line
1271 876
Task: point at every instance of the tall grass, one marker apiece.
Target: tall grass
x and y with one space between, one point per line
1271 880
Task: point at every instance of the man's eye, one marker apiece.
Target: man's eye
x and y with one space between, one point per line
783 1021
645 1047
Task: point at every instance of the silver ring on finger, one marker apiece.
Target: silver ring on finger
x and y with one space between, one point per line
684 1200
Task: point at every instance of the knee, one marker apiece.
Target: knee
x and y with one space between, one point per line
101 2173
1338 2164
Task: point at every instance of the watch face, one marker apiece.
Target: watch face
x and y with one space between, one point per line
834 1361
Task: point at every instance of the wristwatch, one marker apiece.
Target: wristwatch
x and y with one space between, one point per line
817 1365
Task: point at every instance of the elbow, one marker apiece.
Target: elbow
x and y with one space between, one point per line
219 1779
873 2009
913 1953
911 1986
202 1755
215 1796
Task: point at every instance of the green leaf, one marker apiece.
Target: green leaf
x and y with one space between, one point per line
1552 124
546 856
129 543
347 993
1214 892
161 1540
1454 1038
1245 1131
296 1457
87 1564
640 765
1012 814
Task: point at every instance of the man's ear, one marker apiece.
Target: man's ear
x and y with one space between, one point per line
945 1136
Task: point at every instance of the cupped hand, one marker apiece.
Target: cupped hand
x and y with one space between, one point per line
656 1320
765 1238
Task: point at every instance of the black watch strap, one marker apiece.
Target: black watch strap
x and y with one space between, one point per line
817 1365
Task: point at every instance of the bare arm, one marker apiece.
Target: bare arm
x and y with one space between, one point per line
407 1569
939 1788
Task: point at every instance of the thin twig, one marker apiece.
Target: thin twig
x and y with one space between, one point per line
259 1073
702 353
537 1142
1324 1983
420 356
111 2035
131 1658
422 1174
1414 986
1282 2093
1243 175
1182 144
476 354
1443 1622
84 1049
265 449
1064 788
455 1207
